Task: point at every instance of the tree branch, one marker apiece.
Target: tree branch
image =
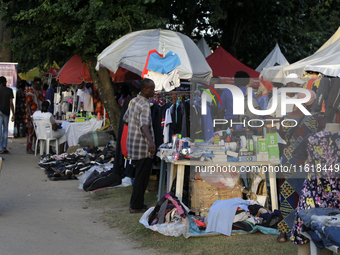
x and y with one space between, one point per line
121 11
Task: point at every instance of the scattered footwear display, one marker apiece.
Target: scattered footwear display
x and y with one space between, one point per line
69 167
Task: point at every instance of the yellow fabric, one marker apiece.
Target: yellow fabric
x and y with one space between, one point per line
36 72
306 78
105 126
317 83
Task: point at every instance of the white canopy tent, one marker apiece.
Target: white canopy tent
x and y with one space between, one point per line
204 48
274 58
131 51
331 40
325 61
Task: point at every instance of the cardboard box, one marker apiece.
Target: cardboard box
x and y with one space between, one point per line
274 152
262 146
247 158
262 157
272 139
203 195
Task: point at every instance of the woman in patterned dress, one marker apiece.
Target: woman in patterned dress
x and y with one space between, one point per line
20 108
321 189
34 99
290 187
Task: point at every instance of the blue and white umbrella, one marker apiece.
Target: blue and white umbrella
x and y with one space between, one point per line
131 51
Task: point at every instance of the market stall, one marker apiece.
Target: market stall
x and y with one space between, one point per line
176 170
74 130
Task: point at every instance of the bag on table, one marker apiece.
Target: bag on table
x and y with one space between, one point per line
96 139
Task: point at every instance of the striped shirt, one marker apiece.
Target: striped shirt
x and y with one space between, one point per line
137 115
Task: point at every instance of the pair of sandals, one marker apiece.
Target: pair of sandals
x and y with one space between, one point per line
142 210
4 151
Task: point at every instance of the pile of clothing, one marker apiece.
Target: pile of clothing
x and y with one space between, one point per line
93 163
167 210
255 215
239 214
323 226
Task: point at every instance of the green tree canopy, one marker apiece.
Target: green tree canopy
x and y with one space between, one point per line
53 30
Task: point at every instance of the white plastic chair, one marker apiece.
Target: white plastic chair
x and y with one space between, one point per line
40 131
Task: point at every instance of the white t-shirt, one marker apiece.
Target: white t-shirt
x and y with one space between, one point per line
167 123
172 81
88 100
38 115
85 97
80 98
166 81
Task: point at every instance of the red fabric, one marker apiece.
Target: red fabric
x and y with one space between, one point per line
311 82
223 64
267 84
53 71
124 75
123 141
74 71
337 118
145 71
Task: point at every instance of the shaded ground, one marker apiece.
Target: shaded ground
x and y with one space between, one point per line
39 216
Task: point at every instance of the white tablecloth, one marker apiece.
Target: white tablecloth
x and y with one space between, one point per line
76 129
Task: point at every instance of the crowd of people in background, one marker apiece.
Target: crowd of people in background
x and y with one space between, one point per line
29 99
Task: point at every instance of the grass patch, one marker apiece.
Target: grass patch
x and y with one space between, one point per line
116 203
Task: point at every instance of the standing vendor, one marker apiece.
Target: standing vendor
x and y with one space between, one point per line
85 98
140 142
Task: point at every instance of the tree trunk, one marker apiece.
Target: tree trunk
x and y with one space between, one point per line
102 82
5 53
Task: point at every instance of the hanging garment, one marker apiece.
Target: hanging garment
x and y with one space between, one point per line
322 93
163 65
167 82
118 166
162 70
333 99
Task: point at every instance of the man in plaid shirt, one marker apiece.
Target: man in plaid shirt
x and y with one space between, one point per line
140 142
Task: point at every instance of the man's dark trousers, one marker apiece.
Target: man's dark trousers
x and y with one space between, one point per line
142 175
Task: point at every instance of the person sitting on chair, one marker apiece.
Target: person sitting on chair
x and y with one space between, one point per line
45 115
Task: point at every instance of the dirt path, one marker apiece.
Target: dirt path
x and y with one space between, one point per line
39 216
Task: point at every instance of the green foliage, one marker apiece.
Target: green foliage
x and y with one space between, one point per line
47 31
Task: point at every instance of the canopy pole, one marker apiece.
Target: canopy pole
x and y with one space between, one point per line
163 49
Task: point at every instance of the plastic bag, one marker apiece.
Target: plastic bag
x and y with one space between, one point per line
96 138
174 229
99 168
219 177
